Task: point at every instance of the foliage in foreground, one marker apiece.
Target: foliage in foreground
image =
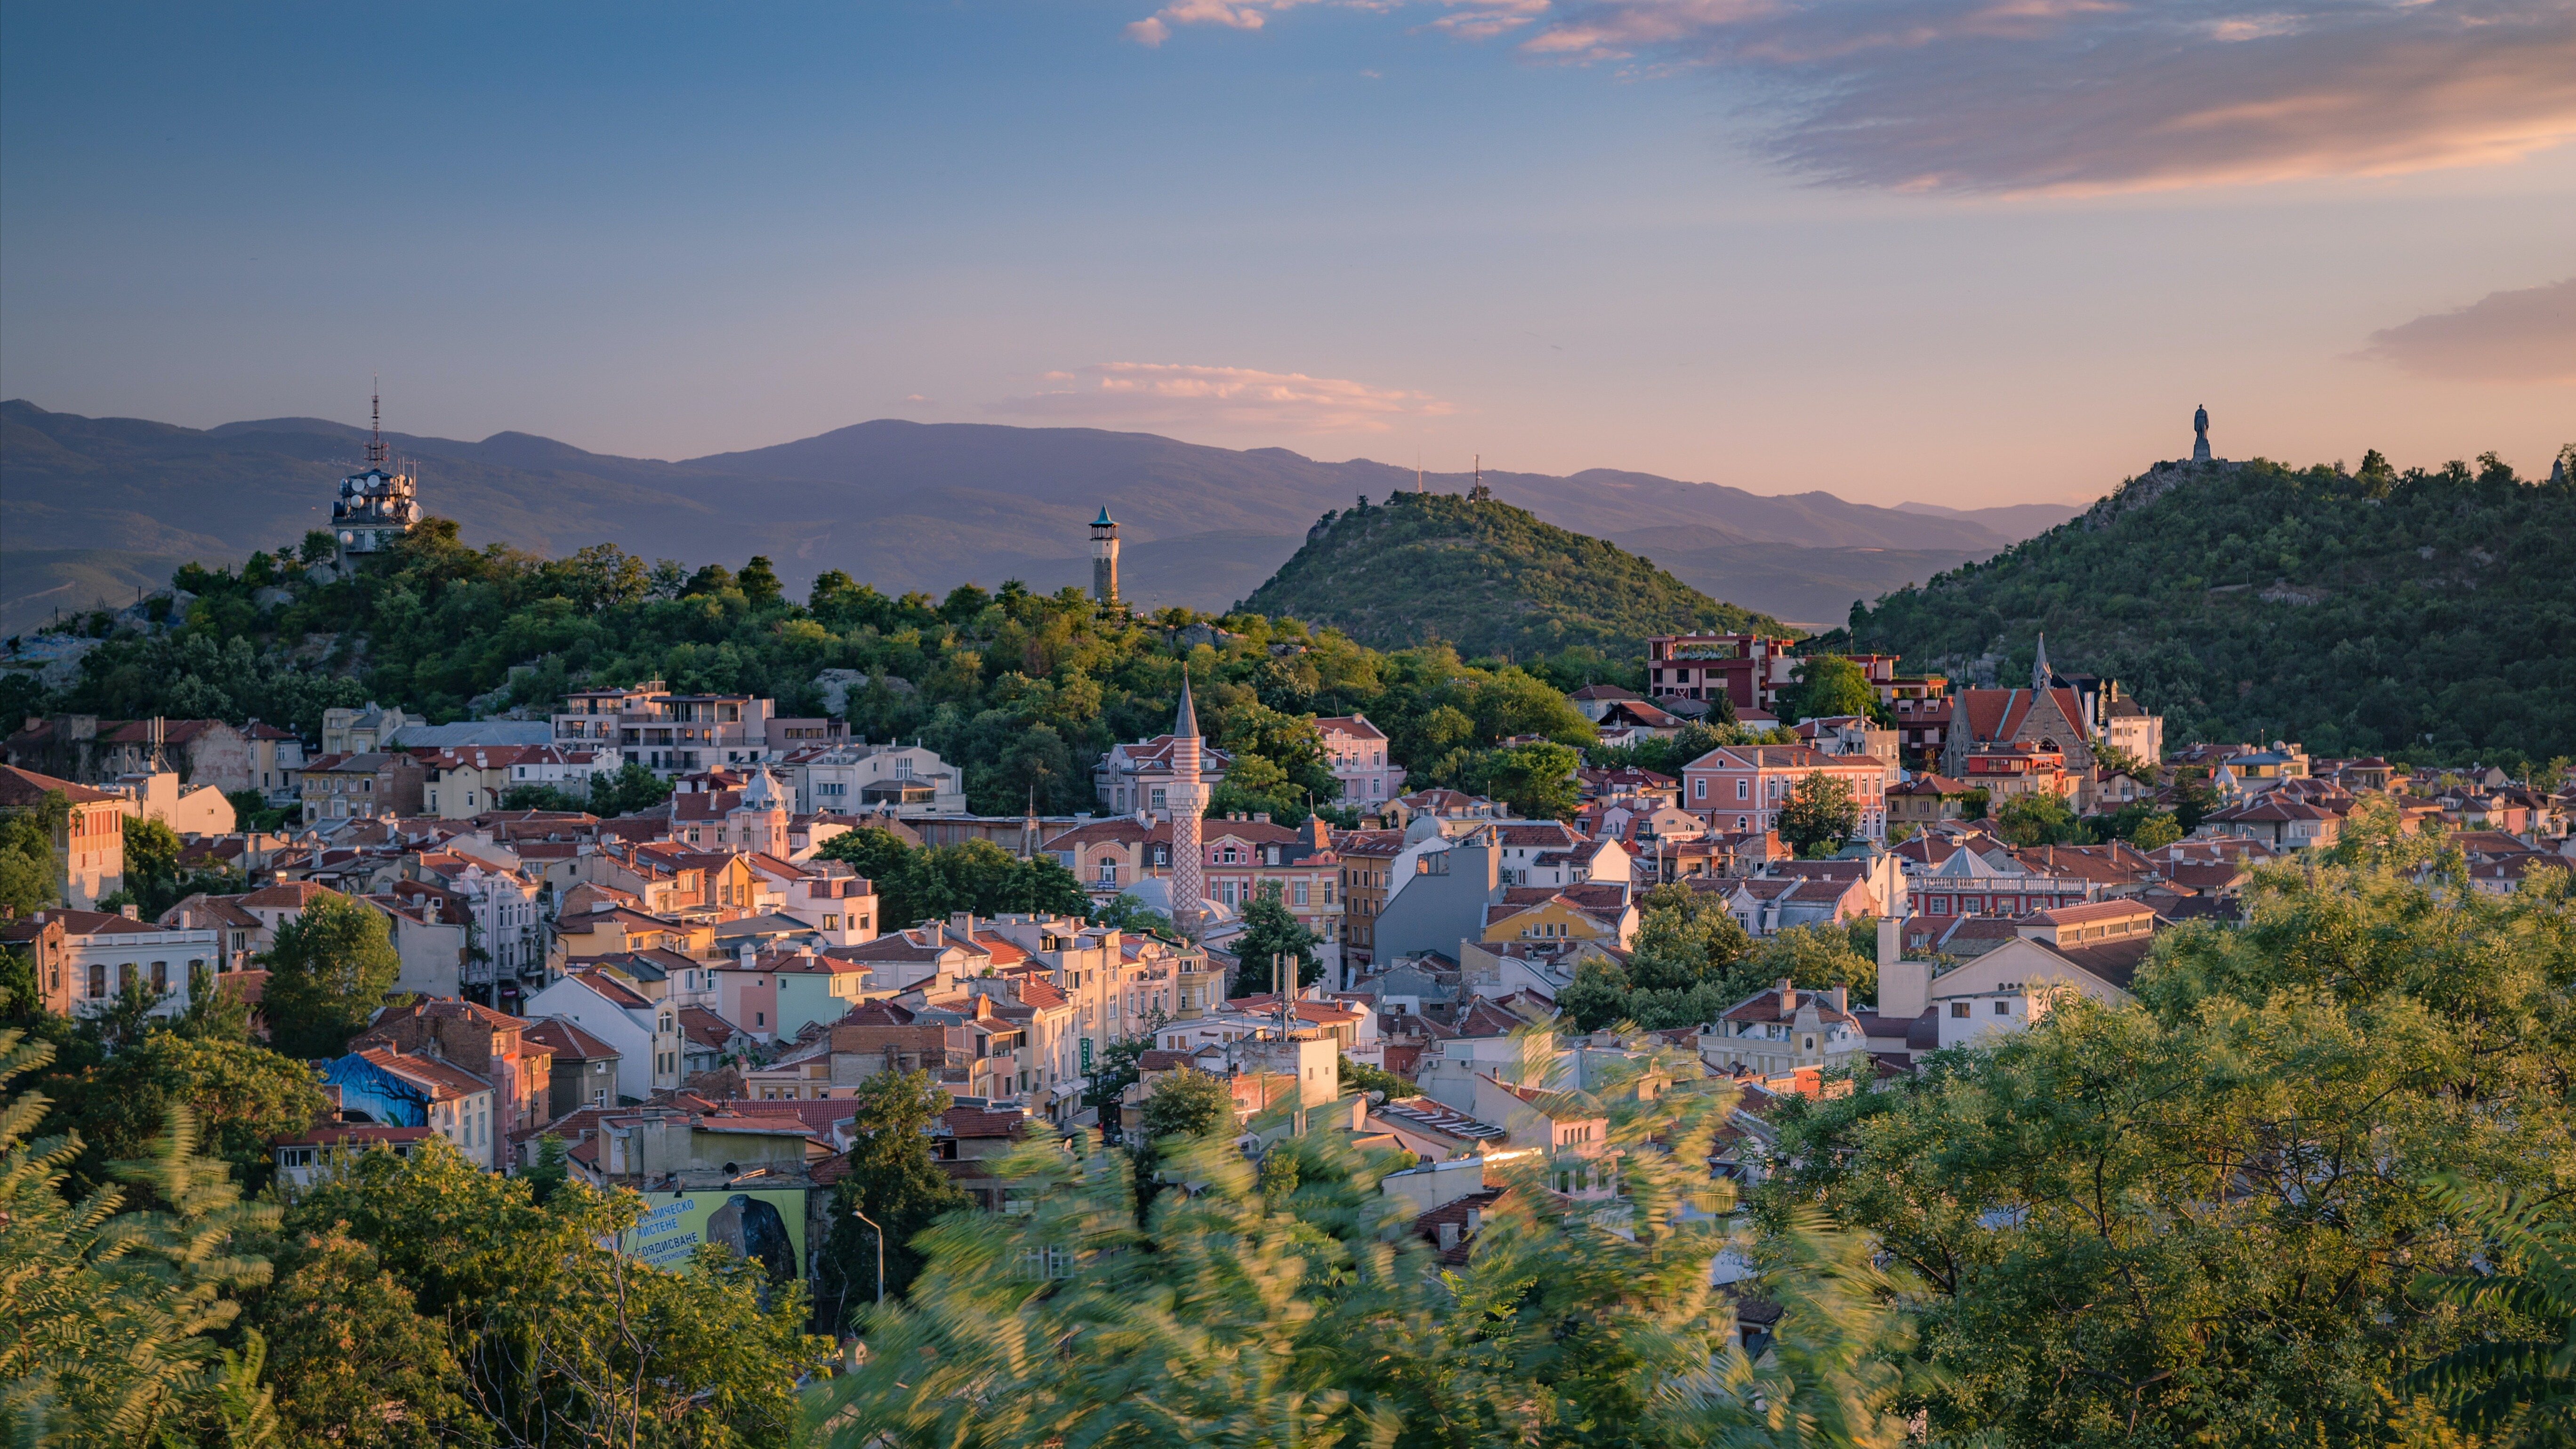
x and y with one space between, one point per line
2194 1220
107 1319
556 1337
1305 1314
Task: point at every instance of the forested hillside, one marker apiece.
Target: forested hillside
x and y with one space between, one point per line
1024 690
1486 577
2356 612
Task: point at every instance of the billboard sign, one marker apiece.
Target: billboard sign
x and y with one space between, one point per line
769 1226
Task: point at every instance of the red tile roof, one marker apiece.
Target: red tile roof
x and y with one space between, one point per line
567 1040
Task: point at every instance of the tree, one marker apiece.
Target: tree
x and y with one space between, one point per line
328 972
558 1335
2036 819
892 1179
1537 781
1129 914
1186 1104
972 875
29 867
2156 831
1361 1077
1269 930
877 854
1684 937
2196 1218
1597 997
1279 763
625 791
239 1095
107 1318
1828 686
351 1360
759 583
1112 1073
2518 1391
1232 1314
1812 958
1819 815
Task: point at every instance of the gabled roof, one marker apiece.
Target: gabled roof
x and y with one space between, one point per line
567 1040
610 989
1356 726
290 895
23 789
704 1027
2113 961
445 1081
1764 1005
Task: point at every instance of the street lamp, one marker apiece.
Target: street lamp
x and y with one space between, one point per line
880 1232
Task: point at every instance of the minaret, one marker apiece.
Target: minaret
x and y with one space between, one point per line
1187 798
1104 558
2039 668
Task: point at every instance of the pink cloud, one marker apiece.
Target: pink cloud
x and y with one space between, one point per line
2528 335
1179 394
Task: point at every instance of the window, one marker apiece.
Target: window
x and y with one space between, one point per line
160 978
1699 788
2003 1008
1958 1010
97 980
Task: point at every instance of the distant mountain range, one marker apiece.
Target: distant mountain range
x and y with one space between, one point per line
91 507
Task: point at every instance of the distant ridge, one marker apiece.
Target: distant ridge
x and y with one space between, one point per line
903 505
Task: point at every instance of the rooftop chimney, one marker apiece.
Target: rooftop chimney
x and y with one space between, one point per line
1842 999
1448 1236
1788 996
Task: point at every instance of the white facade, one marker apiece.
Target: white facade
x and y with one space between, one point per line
507 924
841 780
645 1033
102 954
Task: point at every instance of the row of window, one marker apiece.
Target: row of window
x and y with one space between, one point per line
158 974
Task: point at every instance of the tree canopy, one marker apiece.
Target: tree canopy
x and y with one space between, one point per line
328 972
2196 1218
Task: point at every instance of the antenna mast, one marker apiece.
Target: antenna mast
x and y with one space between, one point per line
1479 493
375 424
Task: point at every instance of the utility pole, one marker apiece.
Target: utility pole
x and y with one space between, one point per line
880 1232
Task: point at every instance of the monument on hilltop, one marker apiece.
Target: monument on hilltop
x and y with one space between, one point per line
2200 434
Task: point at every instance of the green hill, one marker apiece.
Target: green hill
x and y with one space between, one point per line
2356 613
1486 577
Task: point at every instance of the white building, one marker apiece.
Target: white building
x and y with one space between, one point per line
848 779
104 953
646 1034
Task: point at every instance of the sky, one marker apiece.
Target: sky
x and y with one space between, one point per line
1966 252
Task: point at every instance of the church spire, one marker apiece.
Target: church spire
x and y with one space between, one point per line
2039 668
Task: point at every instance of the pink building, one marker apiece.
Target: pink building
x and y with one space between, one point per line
1358 752
1740 788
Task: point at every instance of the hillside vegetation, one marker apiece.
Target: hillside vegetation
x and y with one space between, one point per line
1486 577
1022 690
2356 612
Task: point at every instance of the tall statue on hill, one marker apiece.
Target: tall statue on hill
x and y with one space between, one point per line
2200 434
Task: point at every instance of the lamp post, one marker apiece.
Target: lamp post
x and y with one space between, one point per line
880 1232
